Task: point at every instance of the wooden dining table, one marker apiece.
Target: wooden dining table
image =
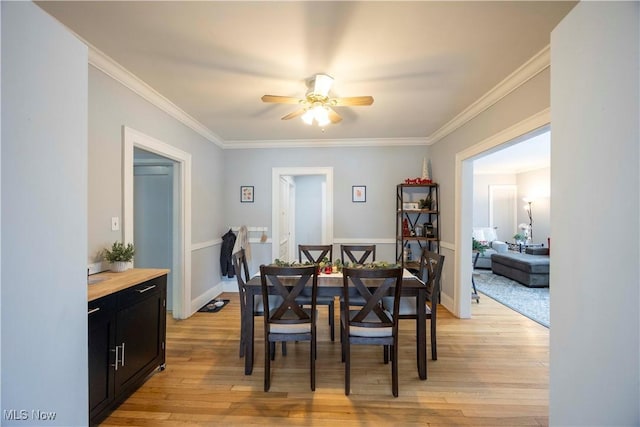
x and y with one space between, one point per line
331 285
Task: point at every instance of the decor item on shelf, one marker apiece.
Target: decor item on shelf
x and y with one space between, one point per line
519 238
429 230
427 202
425 169
405 228
417 181
119 256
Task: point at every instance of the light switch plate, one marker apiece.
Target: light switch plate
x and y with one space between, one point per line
115 223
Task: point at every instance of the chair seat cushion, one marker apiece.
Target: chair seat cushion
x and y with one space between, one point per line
359 331
291 328
294 328
407 306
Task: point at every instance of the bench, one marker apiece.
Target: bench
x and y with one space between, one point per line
530 270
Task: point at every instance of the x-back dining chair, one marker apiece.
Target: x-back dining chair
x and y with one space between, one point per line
315 254
288 320
358 254
370 324
242 276
430 272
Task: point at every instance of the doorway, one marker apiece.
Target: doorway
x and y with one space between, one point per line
281 197
154 213
181 224
537 123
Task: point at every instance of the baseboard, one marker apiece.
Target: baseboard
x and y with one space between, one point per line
447 302
212 293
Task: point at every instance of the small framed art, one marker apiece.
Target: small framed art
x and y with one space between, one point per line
359 193
246 194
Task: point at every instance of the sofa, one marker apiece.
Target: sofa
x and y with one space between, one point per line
487 236
526 268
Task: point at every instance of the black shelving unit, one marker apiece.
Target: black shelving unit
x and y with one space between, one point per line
422 222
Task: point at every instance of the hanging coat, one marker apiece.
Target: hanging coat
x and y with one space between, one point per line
226 264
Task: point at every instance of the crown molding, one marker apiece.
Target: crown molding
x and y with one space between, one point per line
114 70
524 73
520 76
310 143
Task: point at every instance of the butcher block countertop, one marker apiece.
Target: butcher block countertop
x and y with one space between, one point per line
114 282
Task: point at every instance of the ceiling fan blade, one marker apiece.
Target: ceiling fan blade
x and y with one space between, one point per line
294 114
333 116
281 99
353 101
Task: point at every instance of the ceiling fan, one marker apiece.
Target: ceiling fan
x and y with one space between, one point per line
317 105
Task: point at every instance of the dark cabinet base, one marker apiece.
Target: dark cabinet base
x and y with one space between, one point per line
126 343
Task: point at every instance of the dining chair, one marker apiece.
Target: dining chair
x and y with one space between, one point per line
430 272
288 320
370 324
358 254
242 276
315 254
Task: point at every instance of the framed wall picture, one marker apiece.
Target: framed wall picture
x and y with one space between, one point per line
246 194
358 193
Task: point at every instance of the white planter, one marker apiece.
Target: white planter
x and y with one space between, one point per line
119 266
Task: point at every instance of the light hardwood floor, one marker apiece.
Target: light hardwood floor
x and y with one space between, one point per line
492 370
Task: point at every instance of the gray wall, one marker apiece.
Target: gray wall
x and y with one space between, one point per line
44 218
112 105
527 100
379 168
594 357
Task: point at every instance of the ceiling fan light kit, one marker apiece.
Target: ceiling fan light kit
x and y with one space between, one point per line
317 105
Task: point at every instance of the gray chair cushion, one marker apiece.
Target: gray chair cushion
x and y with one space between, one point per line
358 331
407 306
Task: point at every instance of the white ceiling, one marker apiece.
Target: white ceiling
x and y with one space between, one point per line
531 154
424 62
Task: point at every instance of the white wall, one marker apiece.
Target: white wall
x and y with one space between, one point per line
44 219
536 185
481 183
595 339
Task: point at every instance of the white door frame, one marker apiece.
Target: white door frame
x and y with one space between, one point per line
464 204
276 173
131 138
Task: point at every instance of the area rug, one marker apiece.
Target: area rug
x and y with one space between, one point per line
214 305
530 302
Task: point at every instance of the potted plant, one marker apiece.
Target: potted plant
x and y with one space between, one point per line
119 256
478 247
519 238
